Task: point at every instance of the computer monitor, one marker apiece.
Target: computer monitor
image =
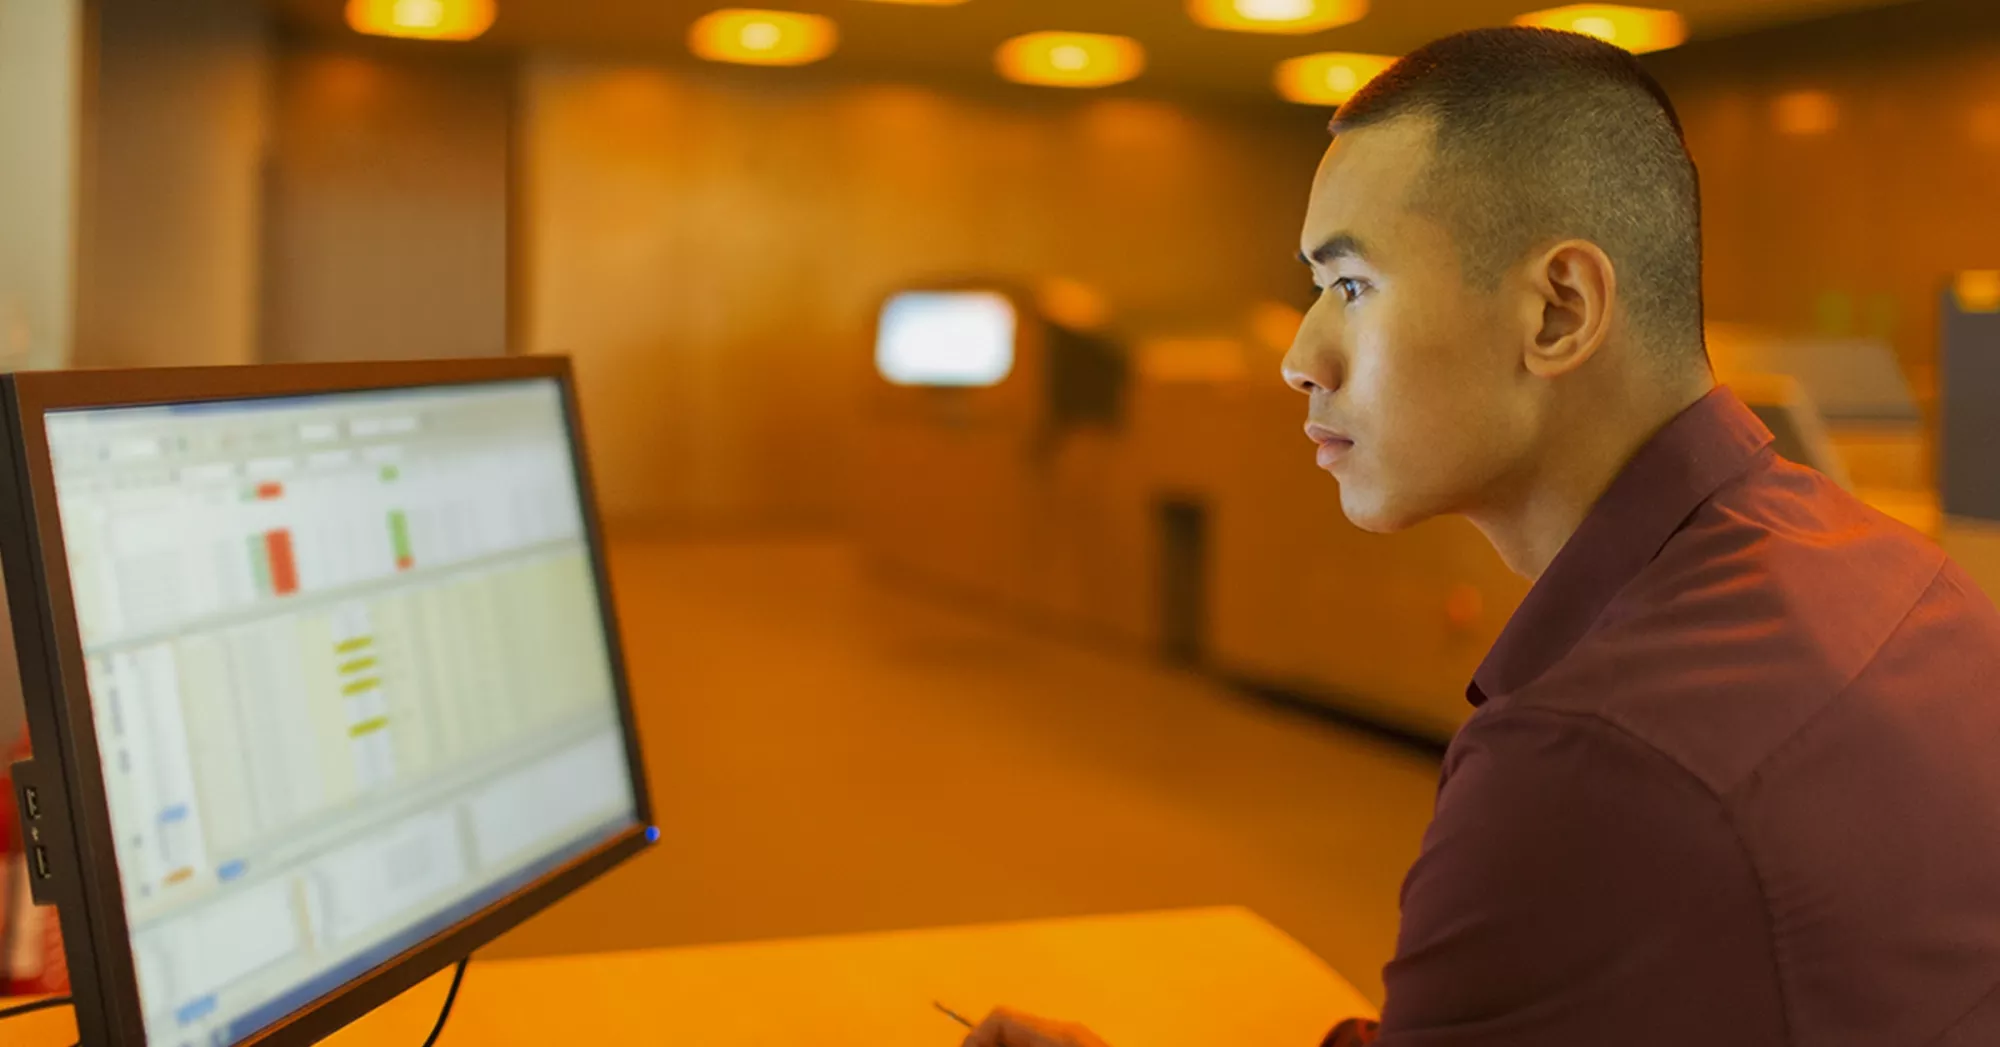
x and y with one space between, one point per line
322 681
962 338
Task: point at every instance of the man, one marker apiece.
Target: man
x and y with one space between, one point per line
1734 774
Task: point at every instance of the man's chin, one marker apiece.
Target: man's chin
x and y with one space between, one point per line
1376 518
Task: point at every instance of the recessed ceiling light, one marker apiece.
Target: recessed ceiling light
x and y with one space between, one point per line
1071 59
749 37
1276 16
1329 78
1636 29
421 19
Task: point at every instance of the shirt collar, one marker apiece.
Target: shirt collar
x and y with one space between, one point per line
1702 448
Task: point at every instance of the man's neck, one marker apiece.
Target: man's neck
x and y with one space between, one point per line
1531 522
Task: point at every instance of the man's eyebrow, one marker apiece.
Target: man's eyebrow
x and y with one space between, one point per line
1343 245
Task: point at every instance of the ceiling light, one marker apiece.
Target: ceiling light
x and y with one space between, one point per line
1071 59
1636 29
1329 78
1276 16
762 37
421 19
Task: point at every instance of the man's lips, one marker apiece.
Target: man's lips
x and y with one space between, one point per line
1333 446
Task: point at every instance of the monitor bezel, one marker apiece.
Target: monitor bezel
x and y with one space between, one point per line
89 899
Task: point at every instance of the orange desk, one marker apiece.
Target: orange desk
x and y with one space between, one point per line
1192 978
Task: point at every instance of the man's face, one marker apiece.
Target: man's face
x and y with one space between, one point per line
1420 402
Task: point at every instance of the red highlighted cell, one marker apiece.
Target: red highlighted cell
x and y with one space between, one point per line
269 490
404 563
284 569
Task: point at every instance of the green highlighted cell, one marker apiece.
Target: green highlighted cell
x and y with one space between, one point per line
399 537
260 562
390 473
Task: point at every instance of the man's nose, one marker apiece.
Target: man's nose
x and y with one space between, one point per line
1308 371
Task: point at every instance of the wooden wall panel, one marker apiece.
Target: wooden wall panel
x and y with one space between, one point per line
386 218
712 250
1851 229
169 267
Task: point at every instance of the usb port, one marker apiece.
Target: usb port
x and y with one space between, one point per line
41 861
31 802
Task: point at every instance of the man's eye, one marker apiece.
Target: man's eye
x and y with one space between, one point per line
1347 287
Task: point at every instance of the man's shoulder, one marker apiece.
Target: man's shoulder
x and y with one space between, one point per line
1765 606
1521 772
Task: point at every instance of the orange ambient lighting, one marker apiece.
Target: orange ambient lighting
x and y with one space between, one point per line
1196 359
1636 29
1073 304
1977 290
923 3
1805 113
1329 78
1276 16
1071 59
762 37
1276 324
421 19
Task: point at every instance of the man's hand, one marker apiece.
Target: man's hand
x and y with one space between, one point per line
1010 1028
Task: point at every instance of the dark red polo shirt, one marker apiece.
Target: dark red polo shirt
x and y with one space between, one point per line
1733 779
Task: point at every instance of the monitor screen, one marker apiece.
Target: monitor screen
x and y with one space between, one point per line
349 675
955 338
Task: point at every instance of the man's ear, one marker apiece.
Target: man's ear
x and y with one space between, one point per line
1573 285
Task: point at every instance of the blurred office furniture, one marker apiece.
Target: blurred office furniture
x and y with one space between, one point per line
1873 427
1185 518
1193 523
1969 444
1797 433
998 488
1193 977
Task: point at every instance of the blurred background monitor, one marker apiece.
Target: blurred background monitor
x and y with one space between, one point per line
946 338
321 682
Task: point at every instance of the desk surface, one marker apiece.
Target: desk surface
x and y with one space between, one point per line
1194 977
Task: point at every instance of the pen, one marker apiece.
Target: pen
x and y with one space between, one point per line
953 1015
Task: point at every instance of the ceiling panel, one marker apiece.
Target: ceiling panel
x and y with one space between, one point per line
956 43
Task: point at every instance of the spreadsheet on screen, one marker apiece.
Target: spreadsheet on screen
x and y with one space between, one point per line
349 675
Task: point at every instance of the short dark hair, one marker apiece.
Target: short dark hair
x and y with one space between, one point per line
1540 135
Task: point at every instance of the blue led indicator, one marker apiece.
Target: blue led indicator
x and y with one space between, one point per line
652 834
196 1010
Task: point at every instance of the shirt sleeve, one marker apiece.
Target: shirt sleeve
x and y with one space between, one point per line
1577 888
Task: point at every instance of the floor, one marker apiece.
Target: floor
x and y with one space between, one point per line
831 755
